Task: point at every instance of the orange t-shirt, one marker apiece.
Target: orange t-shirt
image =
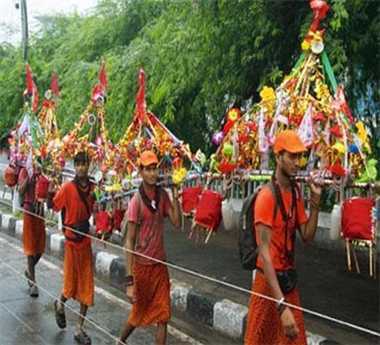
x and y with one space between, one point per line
264 211
75 210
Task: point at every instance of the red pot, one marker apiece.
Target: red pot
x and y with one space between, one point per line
42 187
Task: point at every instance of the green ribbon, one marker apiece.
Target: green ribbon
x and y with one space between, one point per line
329 71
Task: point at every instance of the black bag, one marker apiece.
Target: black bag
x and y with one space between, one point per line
82 227
248 248
287 280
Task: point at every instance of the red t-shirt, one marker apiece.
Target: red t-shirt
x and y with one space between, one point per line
150 237
103 222
117 218
75 210
264 211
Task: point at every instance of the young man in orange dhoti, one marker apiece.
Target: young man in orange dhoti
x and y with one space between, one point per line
268 322
148 286
34 233
76 200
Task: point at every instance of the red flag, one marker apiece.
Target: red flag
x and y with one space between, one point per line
103 76
320 9
29 80
140 97
35 97
97 92
31 88
54 86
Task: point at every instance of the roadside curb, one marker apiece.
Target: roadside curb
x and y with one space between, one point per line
224 316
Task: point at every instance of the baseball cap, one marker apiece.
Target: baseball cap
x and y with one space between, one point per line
147 158
289 141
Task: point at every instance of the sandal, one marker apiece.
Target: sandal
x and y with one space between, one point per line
60 316
30 283
82 338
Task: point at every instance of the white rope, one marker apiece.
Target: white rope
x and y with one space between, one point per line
217 281
93 323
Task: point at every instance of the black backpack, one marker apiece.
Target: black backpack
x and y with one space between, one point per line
248 248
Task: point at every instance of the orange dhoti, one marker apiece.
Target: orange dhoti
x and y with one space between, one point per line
152 290
33 235
78 274
264 325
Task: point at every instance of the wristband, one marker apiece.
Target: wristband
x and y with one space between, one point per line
280 305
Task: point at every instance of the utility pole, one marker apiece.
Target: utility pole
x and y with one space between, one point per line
24 26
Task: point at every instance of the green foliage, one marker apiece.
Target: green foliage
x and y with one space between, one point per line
199 56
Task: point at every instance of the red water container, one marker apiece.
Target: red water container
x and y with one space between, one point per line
208 212
357 220
42 187
190 198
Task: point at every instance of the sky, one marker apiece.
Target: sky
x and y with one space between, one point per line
10 17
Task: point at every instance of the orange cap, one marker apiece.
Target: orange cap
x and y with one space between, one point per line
290 141
147 158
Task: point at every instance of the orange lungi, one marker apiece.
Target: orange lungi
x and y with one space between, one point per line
264 325
152 289
78 274
33 235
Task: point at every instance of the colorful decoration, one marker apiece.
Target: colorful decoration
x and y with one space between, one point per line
308 100
147 132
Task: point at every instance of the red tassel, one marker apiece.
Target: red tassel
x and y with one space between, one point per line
35 97
320 9
29 80
140 97
103 76
97 91
54 86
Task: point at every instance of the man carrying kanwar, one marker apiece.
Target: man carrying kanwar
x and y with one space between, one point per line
278 212
76 199
148 286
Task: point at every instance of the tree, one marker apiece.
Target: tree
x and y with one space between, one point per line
199 57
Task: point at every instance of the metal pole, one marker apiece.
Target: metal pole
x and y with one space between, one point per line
24 29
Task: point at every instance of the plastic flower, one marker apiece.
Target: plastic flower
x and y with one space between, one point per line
362 132
179 175
305 45
267 94
233 114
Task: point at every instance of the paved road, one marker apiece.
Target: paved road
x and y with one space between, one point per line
28 321
325 284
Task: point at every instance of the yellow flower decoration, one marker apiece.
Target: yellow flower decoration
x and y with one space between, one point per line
267 94
362 132
179 175
305 45
303 161
322 90
339 147
233 114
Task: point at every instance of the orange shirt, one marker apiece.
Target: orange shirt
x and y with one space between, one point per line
264 211
75 210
